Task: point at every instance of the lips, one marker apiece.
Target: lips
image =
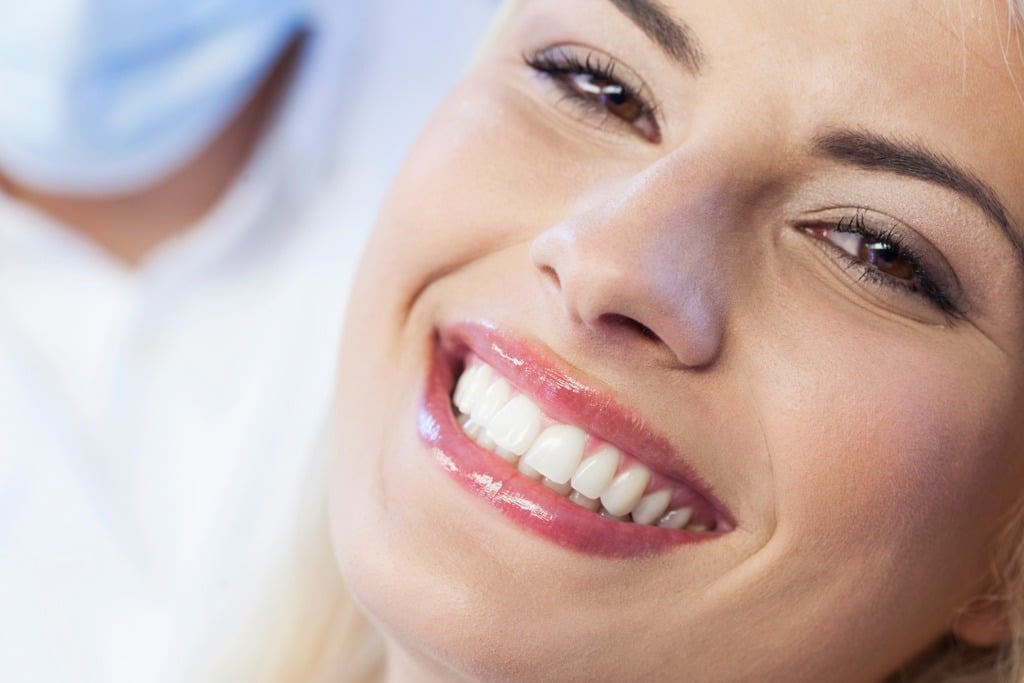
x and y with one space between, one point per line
561 459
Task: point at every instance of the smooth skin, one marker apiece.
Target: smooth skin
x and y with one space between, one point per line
858 413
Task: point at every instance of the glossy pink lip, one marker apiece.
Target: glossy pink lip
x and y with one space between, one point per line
526 502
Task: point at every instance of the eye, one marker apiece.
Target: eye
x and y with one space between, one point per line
614 97
599 85
882 256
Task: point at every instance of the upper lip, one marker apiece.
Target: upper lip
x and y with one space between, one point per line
555 387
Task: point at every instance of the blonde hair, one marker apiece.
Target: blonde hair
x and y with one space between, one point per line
324 637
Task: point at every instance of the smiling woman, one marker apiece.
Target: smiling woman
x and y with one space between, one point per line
689 347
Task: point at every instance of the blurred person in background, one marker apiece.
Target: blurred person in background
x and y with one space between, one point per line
184 186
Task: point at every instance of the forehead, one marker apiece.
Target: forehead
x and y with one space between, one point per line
966 52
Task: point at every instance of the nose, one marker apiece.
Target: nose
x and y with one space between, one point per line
645 261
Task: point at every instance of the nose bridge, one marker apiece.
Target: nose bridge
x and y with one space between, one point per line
646 251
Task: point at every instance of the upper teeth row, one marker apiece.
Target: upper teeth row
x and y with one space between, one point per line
510 425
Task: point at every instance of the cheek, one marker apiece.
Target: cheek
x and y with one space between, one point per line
456 196
892 461
896 447
489 171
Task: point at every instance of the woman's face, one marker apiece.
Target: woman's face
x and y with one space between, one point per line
753 268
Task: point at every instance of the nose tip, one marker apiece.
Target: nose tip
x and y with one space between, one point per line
630 287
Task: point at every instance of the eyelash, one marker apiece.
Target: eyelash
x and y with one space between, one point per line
923 285
562 63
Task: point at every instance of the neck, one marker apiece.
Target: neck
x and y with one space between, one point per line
129 227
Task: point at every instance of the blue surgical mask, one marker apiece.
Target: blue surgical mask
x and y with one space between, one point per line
109 96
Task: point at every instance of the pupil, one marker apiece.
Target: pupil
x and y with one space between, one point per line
887 258
884 252
616 96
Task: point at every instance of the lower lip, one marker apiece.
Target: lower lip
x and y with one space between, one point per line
525 502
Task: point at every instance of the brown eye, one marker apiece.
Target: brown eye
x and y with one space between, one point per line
887 258
883 255
597 84
612 96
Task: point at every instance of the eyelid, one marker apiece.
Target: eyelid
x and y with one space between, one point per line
940 286
569 58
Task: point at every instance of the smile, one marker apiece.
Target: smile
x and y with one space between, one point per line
589 472
558 457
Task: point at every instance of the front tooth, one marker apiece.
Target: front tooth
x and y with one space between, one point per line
495 396
523 467
471 387
652 506
557 452
596 473
626 491
516 426
676 519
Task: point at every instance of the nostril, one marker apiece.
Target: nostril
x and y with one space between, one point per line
548 273
616 320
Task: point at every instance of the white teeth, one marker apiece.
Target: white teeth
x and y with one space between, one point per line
591 504
676 519
525 468
595 474
471 388
491 402
481 438
516 425
557 452
511 429
625 492
560 489
459 397
652 506
617 518
507 456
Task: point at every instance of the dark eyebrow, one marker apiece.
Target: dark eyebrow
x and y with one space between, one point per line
674 37
875 152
